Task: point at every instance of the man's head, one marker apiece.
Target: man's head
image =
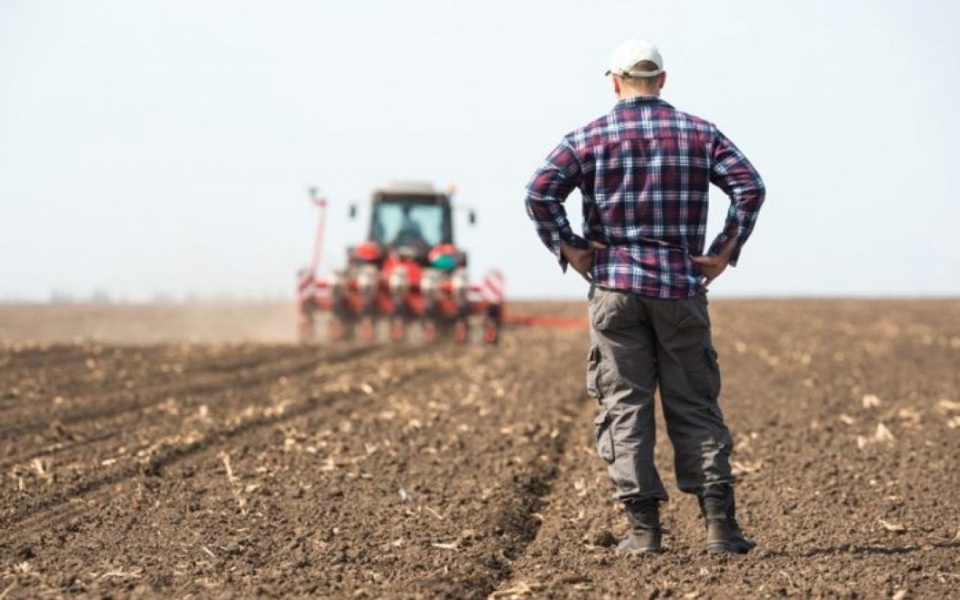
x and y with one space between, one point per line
636 68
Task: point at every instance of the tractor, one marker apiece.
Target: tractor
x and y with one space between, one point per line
407 275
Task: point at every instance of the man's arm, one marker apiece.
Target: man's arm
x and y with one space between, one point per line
712 266
546 193
733 173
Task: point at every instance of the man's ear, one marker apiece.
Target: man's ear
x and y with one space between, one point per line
663 79
616 86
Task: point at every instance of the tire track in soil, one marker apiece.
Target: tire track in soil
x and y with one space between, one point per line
193 393
82 498
520 520
518 513
75 381
210 389
78 378
106 395
126 401
25 388
576 465
190 399
44 356
25 382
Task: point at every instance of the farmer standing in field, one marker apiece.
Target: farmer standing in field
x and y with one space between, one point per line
643 171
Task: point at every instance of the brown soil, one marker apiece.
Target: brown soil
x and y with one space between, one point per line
220 470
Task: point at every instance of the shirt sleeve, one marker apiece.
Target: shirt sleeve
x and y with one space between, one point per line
739 180
546 193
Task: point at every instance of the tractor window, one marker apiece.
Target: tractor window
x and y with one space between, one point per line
408 224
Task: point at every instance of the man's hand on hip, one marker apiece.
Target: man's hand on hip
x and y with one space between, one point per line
713 266
581 259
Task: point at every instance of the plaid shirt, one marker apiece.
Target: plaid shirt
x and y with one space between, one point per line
643 171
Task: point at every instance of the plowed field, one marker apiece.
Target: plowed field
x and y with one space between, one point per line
140 459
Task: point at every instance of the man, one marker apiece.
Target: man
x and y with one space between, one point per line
410 233
643 171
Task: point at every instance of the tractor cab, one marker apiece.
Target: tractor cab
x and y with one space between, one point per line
410 220
410 223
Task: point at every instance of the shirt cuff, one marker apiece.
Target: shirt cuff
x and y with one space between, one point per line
720 241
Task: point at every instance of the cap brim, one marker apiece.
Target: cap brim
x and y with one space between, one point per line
635 74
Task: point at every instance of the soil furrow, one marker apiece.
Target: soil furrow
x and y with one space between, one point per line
153 466
189 396
518 516
120 433
112 404
116 369
43 356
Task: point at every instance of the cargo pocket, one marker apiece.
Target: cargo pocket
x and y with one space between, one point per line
705 374
612 310
593 372
604 436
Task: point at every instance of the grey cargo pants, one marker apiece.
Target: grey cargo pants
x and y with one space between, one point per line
639 343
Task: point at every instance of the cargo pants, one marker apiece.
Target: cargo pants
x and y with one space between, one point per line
639 344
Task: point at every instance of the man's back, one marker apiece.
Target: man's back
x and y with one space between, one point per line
644 171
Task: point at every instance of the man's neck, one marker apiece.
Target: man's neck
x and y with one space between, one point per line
631 95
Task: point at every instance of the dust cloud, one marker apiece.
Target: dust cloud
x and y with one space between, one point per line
148 323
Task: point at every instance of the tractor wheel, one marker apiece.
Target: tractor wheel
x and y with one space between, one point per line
335 329
365 329
461 332
305 329
398 330
429 332
491 333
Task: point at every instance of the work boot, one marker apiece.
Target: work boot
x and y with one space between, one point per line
645 531
718 507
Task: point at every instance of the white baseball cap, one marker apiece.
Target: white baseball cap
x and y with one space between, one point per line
631 52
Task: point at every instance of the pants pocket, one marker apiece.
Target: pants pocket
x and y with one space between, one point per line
604 436
611 310
704 373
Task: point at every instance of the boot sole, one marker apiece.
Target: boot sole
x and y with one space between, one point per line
639 551
729 548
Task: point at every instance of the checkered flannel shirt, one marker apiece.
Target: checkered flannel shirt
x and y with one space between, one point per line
643 171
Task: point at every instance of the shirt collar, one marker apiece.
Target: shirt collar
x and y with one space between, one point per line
642 101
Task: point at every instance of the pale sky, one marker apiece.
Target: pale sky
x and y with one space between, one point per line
150 145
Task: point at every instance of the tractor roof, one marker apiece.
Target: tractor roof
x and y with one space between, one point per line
409 187
411 192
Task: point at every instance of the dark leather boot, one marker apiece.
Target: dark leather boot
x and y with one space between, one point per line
718 506
645 531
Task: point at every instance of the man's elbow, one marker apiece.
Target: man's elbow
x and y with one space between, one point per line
530 201
756 192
